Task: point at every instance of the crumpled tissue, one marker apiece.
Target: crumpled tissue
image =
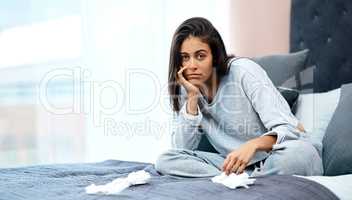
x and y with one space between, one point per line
119 184
233 180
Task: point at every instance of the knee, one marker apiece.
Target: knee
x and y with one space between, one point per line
297 157
166 161
296 146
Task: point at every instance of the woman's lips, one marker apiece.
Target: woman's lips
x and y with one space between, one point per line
194 76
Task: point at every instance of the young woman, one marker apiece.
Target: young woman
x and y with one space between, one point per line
232 102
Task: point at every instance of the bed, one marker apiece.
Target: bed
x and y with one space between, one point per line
323 27
68 181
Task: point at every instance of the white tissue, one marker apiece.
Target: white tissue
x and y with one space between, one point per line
233 180
119 184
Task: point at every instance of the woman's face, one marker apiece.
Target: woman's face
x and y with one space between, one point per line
197 56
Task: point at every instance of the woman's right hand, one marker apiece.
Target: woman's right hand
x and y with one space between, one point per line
192 92
190 88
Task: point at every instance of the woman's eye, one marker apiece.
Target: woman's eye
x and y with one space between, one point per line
201 56
184 58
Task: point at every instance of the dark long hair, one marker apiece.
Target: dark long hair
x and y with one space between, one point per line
196 27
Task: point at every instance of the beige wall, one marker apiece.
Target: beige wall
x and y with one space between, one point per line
259 27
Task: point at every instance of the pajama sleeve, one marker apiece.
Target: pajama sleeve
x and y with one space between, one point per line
185 134
270 105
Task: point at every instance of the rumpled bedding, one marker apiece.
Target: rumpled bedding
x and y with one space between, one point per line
68 181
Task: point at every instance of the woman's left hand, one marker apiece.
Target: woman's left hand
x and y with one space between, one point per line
237 160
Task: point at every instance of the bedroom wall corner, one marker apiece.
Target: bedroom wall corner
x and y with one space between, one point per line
259 27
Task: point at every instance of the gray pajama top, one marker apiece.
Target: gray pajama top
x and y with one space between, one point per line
247 105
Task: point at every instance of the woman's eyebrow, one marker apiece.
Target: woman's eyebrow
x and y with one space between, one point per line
201 50
198 51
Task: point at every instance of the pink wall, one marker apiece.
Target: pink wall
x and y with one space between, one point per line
259 27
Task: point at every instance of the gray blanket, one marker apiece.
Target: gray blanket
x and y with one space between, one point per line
68 181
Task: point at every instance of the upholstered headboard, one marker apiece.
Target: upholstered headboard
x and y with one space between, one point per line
325 28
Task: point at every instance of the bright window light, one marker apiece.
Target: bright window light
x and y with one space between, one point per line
52 40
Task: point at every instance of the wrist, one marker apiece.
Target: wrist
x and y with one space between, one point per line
254 144
264 143
191 110
192 94
192 105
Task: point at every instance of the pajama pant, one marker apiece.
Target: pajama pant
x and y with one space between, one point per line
290 157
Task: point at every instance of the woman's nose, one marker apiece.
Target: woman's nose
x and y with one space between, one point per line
193 64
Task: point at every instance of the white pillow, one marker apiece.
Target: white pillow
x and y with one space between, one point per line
315 111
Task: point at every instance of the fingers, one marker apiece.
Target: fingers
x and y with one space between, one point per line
180 71
241 169
226 162
182 68
179 76
180 79
234 164
232 161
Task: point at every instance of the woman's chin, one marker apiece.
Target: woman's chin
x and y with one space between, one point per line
196 82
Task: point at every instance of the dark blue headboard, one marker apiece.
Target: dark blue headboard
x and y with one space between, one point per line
325 28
